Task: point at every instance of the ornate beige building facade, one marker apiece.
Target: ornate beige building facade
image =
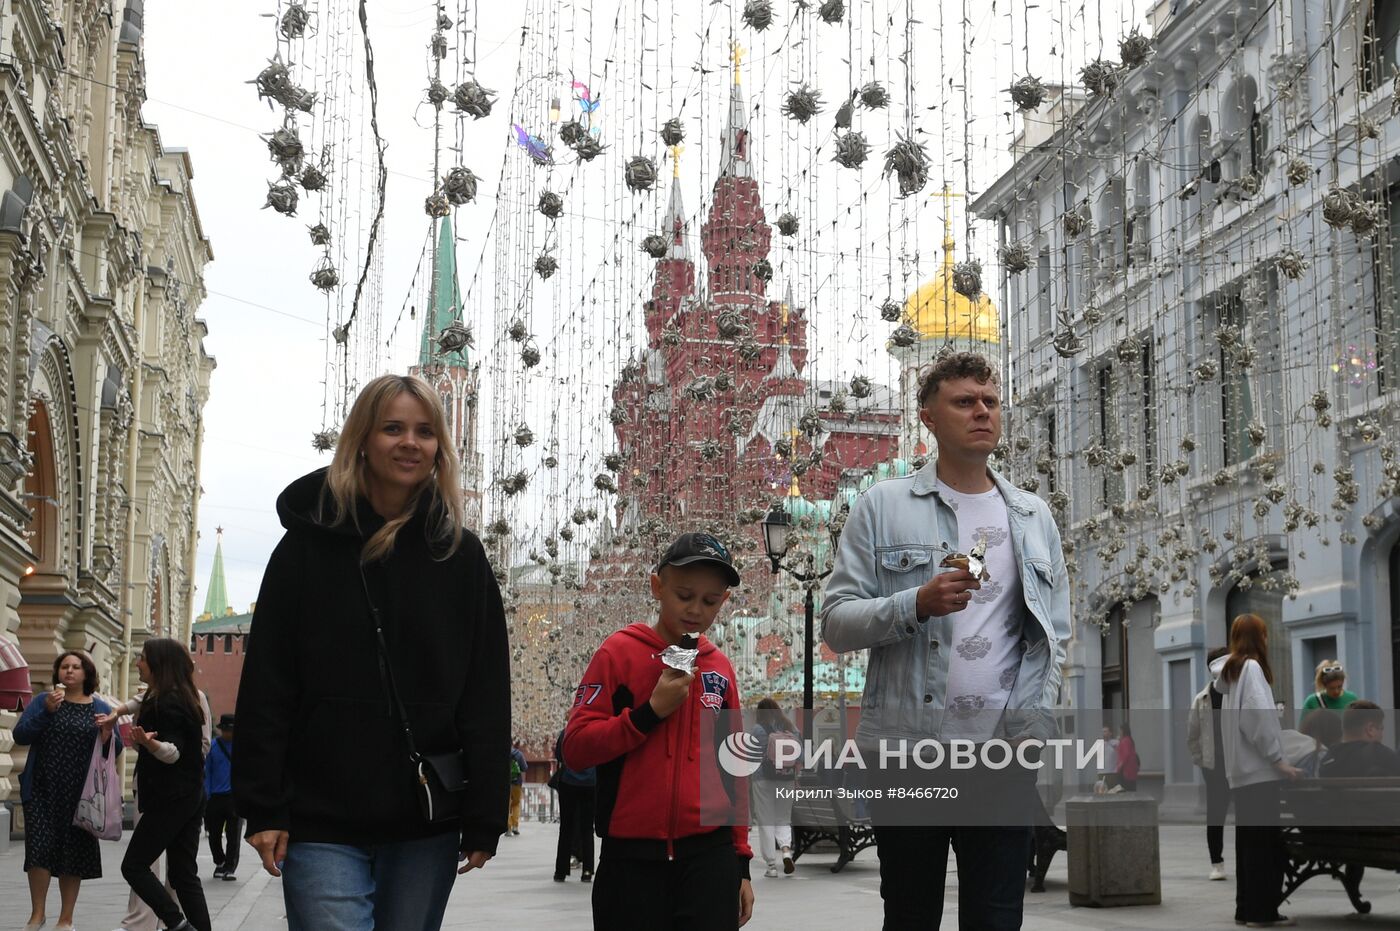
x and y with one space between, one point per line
103 373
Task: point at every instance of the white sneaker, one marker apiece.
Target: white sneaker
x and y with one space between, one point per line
771 872
1217 872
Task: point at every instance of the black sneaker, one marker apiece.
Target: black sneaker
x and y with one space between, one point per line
218 872
229 877
587 877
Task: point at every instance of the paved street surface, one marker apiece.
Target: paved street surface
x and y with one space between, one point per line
516 890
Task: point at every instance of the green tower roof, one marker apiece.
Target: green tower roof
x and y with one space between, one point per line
216 601
446 301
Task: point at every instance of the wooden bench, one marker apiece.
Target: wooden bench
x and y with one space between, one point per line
829 819
1337 828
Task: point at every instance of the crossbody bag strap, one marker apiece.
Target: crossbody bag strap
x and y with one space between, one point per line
385 672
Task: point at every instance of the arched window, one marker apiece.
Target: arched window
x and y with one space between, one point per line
1263 595
41 491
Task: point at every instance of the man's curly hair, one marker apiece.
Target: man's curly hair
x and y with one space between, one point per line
951 365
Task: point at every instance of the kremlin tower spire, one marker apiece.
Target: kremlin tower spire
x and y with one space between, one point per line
734 151
216 599
675 272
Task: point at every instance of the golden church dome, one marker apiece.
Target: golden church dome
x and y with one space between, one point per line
939 313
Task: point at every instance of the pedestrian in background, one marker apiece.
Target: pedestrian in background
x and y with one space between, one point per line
770 815
377 599
139 916
1329 688
169 736
221 823
1129 763
1360 753
1203 739
577 792
60 728
1253 743
517 786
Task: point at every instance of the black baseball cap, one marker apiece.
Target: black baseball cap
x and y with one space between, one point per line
690 548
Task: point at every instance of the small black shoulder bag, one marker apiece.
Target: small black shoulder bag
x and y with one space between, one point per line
441 777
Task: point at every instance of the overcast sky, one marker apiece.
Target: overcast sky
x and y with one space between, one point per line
268 325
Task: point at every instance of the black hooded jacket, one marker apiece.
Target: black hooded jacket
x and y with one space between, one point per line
319 752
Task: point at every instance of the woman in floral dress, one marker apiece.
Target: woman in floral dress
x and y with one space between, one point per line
60 729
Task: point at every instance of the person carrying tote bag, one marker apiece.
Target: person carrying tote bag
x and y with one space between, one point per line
99 809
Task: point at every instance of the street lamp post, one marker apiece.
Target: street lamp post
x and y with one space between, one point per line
777 527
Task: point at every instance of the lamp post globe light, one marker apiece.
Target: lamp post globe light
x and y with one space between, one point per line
777 537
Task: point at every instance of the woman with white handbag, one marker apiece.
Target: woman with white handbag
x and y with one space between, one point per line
61 728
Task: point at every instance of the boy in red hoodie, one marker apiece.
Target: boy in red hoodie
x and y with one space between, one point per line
638 721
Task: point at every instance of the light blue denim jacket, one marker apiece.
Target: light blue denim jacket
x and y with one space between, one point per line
895 537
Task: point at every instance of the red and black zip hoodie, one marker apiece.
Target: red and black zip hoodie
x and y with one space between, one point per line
658 787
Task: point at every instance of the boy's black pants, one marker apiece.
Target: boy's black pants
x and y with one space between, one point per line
696 892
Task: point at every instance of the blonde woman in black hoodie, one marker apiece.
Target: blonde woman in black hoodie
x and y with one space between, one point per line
323 773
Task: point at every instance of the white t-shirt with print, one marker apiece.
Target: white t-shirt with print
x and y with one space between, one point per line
985 653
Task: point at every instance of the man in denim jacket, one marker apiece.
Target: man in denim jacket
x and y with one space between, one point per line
952 655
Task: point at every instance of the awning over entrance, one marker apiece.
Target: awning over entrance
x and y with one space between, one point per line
14 677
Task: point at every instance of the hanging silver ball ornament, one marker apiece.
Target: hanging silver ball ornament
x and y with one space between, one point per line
1256 433
517 331
907 160
294 21
566 534
724 381
296 97
1134 49
324 441
444 22
758 14
437 205
802 104
341 334
763 270
459 186
515 483
1015 257
572 133
455 337
312 179
710 450
1337 207
904 336
1298 171
967 279
1291 264
832 11
783 448
614 462
787 224
1366 219
524 436
1101 78
701 388
551 205
810 422
749 350
891 310
320 236
604 482
671 336
473 99
1075 223
837 403
861 387
851 150
529 355
589 148
325 277
273 80
640 173
673 131
437 46
1067 343
873 96
282 197
654 245
1027 93
499 527
545 266
285 148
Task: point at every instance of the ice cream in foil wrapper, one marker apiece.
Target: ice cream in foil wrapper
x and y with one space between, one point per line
974 562
683 655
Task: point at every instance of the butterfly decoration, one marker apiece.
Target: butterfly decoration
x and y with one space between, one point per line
588 103
536 147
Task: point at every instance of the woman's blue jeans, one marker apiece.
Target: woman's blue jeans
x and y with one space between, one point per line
389 887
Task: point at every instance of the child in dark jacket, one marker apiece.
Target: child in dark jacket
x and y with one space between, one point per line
638 720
